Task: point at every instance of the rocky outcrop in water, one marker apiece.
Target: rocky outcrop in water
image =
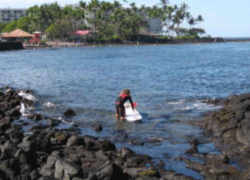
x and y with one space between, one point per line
230 130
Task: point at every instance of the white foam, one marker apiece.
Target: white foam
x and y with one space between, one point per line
49 105
176 102
200 106
27 96
24 110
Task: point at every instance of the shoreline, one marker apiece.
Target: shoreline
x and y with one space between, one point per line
54 44
6 46
228 128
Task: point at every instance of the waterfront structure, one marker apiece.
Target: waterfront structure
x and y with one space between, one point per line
7 15
17 35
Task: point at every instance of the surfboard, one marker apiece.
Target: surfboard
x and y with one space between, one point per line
131 115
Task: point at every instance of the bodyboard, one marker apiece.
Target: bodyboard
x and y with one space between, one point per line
131 115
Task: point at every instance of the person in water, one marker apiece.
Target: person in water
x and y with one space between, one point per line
119 103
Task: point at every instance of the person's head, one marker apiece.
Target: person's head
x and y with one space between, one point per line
125 91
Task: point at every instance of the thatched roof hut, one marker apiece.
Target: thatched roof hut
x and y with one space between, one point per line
18 33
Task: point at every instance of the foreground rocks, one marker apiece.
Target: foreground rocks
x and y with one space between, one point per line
230 129
45 153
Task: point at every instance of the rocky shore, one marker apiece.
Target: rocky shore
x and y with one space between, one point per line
229 129
45 153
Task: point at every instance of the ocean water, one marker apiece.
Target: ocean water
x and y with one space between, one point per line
168 82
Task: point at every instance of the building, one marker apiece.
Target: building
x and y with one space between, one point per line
7 15
154 25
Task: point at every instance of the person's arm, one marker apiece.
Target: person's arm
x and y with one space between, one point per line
131 102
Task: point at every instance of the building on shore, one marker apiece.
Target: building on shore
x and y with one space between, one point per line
17 35
154 25
7 15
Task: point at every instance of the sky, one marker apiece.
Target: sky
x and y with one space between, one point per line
223 18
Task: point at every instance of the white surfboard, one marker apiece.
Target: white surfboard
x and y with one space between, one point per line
131 115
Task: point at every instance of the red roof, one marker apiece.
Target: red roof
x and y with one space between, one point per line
82 33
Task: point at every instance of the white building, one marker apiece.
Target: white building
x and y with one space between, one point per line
154 25
7 15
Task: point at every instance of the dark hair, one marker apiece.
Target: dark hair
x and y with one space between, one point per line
126 91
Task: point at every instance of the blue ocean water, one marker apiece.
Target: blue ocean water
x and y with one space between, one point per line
168 82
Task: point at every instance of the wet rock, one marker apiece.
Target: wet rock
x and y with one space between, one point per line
106 145
136 142
69 113
47 169
154 140
47 178
7 173
137 161
14 113
38 127
97 127
34 175
111 171
149 172
126 153
65 170
101 156
61 137
91 143
230 127
53 122
76 178
175 176
36 117
27 144
141 172
5 123
72 141
214 168
15 134
194 147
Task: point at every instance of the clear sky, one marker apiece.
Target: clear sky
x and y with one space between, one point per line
226 18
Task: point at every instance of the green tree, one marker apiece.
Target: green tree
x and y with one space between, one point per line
62 29
10 26
2 25
24 24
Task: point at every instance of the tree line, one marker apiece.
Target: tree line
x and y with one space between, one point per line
106 20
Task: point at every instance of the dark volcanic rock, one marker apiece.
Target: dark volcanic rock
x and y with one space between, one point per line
5 123
46 153
73 140
69 113
97 127
230 128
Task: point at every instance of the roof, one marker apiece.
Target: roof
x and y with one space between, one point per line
82 32
18 33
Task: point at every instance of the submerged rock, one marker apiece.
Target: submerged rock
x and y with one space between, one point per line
97 127
69 113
